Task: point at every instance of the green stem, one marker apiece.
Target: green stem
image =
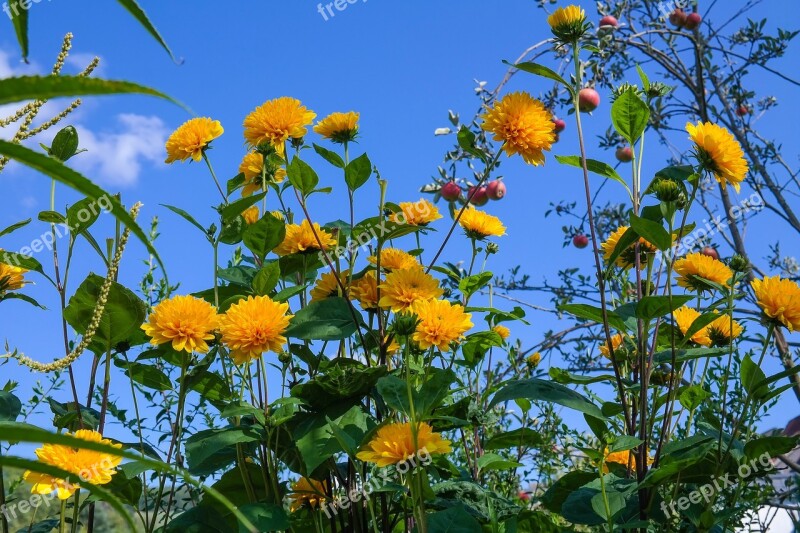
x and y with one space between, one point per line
216 181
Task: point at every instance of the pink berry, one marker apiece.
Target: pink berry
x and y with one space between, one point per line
678 18
608 20
560 125
580 241
710 252
496 190
478 195
693 21
450 191
624 154
588 99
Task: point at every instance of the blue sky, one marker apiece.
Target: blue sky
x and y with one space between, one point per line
402 65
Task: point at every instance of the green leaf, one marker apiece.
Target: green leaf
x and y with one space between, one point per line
466 140
330 319
644 78
477 344
650 307
630 114
315 438
139 14
594 314
492 461
548 391
209 385
566 378
19 18
234 209
541 70
205 444
653 232
59 172
302 176
594 166
517 438
472 284
753 378
693 396
623 443
24 88
10 406
266 517
453 520
771 446
82 214
267 278
146 375
23 261
15 227
358 172
186 216
559 491
263 236
65 144
331 157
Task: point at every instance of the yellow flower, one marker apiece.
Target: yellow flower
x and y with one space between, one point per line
254 326
394 443
723 330
307 492
624 458
779 299
440 324
88 466
719 153
479 225
503 331
616 343
534 359
697 265
404 288
327 286
251 214
685 317
394 259
192 138
567 23
419 213
277 121
627 258
12 278
301 238
339 127
523 124
393 347
252 166
365 290
185 321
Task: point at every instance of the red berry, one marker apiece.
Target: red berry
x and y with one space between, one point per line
580 241
710 252
678 18
524 496
693 21
624 154
608 20
742 110
560 125
478 196
450 191
588 100
496 190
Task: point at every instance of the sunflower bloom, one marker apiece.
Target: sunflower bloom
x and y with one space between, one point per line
616 344
719 153
307 492
394 443
256 175
534 359
624 458
327 286
12 278
303 238
420 213
627 258
503 331
365 290
779 299
254 326
479 225
394 259
567 23
693 269
724 330
684 318
184 321
440 324
276 121
524 126
192 138
251 214
88 466
339 127
403 288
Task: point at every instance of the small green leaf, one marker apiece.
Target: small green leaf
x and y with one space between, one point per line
330 156
24 88
330 319
139 14
653 232
19 18
541 70
146 375
650 307
263 236
753 379
65 144
472 284
14 227
693 396
267 278
594 166
630 115
302 176
186 216
234 209
548 391
492 461
358 172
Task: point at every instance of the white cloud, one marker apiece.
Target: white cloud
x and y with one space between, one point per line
116 157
